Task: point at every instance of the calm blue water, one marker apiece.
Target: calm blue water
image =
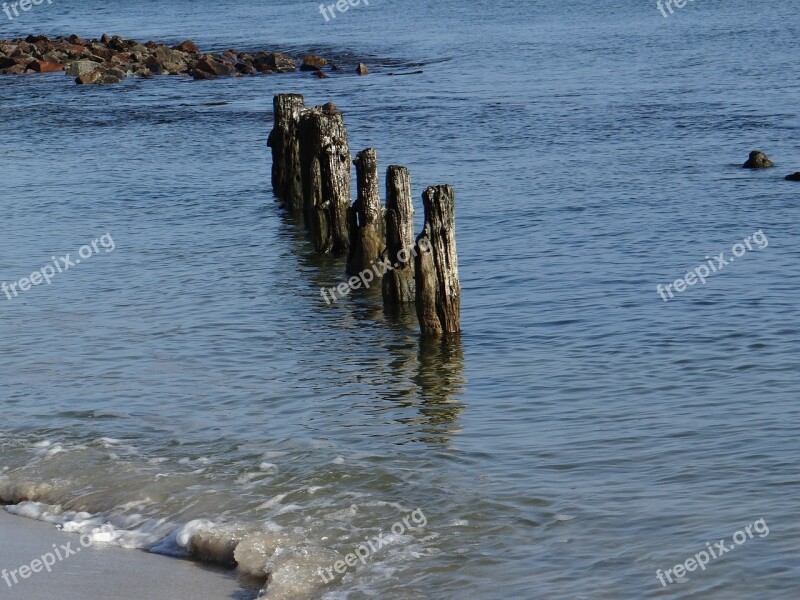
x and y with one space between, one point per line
192 388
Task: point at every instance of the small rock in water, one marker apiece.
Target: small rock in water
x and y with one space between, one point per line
793 177
320 75
312 62
758 160
362 69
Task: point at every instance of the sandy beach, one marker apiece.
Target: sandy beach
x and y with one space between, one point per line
102 571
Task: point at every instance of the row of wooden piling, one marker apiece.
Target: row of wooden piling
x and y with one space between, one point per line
311 176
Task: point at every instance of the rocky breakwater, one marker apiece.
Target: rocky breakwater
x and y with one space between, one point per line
111 59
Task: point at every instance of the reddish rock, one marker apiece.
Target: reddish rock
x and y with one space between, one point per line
101 51
187 46
41 66
215 67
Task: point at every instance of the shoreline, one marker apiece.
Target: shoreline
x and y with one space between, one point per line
103 570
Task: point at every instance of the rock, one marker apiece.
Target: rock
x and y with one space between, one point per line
41 66
214 67
165 55
80 67
101 76
101 51
758 160
335 67
362 69
8 62
312 62
263 67
793 177
117 43
198 74
283 63
187 46
105 38
55 57
320 75
74 39
245 69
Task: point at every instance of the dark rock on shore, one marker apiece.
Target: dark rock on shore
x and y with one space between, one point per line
758 160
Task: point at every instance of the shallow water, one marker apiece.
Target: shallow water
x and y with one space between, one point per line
192 388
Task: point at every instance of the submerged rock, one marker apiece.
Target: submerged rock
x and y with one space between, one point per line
312 62
758 160
282 63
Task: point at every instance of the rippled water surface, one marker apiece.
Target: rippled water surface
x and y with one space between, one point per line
193 389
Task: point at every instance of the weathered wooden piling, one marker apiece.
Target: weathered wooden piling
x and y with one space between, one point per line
325 170
398 284
284 141
365 218
438 290
311 176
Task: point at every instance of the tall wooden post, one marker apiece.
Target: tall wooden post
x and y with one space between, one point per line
438 292
398 285
365 217
323 138
286 178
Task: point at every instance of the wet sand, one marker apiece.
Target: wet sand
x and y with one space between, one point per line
103 572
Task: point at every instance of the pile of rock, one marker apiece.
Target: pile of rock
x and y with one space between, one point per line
111 59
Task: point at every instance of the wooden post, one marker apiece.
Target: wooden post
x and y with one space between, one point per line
323 138
286 179
438 292
398 285
365 217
